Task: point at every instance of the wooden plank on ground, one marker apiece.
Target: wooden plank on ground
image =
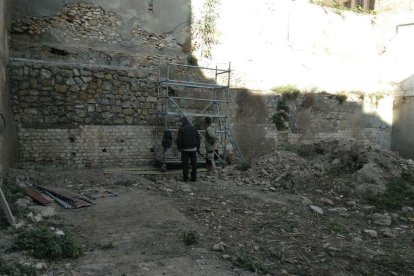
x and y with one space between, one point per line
37 197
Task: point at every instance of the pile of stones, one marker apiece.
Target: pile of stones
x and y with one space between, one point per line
313 166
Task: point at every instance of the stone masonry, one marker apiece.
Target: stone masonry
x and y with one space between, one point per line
60 93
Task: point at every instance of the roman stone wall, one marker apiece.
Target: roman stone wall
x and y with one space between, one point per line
312 117
44 92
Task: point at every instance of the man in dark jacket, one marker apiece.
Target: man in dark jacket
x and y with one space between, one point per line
188 142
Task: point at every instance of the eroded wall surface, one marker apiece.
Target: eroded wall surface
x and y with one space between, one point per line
158 16
8 139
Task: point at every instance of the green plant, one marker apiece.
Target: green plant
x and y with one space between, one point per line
335 227
192 60
243 166
204 29
246 260
281 117
42 242
190 237
289 92
399 192
341 98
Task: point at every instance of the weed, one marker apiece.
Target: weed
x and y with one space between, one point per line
7 268
243 166
11 190
192 60
293 148
289 92
41 242
335 227
246 260
341 98
281 117
399 192
308 101
190 237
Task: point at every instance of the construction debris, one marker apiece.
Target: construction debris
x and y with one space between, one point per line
37 197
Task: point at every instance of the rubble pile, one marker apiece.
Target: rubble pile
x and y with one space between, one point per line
280 169
325 165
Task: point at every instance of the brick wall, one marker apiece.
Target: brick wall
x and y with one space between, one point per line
86 146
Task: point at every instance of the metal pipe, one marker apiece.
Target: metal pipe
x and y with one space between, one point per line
58 200
402 25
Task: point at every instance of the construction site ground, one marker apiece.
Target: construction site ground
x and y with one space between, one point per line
245 225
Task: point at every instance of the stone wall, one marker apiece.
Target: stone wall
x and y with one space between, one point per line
312 117
86 146
46 92
8 135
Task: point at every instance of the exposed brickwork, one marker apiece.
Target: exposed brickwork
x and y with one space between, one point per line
87 146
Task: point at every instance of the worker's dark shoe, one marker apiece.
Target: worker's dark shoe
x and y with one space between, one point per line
193 179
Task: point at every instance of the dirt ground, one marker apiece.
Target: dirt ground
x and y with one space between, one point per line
245 226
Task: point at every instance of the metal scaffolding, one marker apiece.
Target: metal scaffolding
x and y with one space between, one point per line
194 92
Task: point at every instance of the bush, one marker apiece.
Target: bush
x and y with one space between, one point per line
289 92
341 98
246 260
192 60
281 117
43 243
399 193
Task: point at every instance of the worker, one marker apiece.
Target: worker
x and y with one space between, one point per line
188 142
210 142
